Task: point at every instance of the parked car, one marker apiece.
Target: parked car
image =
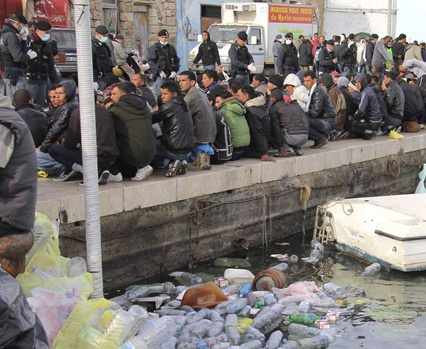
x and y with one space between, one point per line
66 59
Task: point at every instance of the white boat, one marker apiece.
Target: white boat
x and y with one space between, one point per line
390 230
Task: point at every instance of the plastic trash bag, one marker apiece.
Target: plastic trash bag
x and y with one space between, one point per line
52 308
20 327
99 324
421 189
46 268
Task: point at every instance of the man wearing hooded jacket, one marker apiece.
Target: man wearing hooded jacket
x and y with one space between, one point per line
208 53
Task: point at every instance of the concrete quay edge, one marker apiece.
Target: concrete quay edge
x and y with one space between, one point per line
54 197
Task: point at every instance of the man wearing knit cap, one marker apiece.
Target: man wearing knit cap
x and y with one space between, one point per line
242 62
102 58
41 68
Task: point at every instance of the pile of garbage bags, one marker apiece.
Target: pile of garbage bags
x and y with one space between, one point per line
238 310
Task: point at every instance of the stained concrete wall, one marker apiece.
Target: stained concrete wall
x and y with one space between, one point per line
163 224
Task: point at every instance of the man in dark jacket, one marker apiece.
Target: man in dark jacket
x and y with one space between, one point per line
321 112
242 63
256 115
41 69
203 119
414 108
18 188
35 119
291 123
327 60
163 60
369 51
13 54
347 55
139 81
69 153
135 137
368 120
58 124
176 141
102 58
395 102
288 56
399 47
208 53
306 60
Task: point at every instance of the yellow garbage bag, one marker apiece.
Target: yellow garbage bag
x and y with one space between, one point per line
46 268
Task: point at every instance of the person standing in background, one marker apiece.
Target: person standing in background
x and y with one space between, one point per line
41 68
208 53
277 48
162 60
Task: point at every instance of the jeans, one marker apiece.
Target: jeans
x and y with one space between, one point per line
164 155
294 141
244 78
47 163
156 86
319 129
38 91
7 88
277 68
65 156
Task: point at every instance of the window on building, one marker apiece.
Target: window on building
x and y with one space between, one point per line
209 15
110 11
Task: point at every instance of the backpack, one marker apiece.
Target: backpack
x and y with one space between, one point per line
223 144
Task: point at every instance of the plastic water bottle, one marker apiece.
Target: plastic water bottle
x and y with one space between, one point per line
215 329
297 331
202 344
274 340
245 289
305 307
236 306
318 342
253 334
290 345
303 319
256 344
268 316
372 269
231 329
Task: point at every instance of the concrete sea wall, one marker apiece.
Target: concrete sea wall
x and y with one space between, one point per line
153 227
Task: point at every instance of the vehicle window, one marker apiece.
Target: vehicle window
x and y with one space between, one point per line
225 33
257 33
64 38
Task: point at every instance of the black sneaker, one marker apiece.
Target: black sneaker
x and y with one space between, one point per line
69 176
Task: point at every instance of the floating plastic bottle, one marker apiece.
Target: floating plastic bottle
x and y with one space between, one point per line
290 345
303 319
245 289
216 329
268 316
231 329
185 278
372 269
305 307
317 342
274 340
255 344
297 331
236 305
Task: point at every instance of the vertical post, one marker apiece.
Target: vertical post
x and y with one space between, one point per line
390 13
88 140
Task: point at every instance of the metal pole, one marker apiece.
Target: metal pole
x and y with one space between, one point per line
390 10
88 140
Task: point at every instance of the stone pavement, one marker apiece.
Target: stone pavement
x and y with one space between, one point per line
157 190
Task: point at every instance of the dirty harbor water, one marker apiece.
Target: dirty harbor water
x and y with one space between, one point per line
391 316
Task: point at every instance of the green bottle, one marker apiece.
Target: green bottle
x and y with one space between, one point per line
303 319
